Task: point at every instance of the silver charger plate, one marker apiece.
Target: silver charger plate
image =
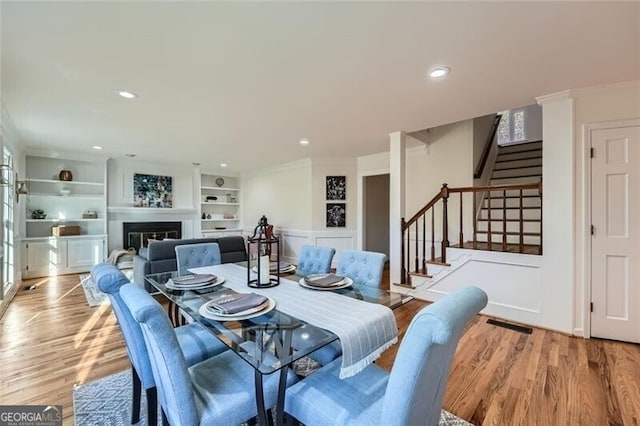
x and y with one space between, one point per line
250 313
347 282
217 282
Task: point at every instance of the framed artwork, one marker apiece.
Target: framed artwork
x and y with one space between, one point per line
336 215
336 187
152 191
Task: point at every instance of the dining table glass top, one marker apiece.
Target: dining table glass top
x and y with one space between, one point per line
272 340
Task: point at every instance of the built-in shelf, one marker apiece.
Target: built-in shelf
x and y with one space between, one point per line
147 210
217 188
219 220
70 237
219 204
70 182
214 231
92 196
64 220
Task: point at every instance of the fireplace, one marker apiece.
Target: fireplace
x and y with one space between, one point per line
137 234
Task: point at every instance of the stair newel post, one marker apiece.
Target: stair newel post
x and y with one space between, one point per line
504 220
445 222
474 212
541 211
403 271
408 252
521 225
433 234
489 221
461 239
424 243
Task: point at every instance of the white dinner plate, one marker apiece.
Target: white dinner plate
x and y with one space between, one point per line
216 283
347 282
250 313
286 270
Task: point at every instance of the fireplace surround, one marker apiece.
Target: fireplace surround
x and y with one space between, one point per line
137 234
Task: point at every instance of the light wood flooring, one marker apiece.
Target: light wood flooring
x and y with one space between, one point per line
51 339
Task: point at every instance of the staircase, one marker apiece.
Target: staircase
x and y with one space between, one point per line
515 165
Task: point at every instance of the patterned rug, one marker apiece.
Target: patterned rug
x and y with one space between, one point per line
108 402
94 296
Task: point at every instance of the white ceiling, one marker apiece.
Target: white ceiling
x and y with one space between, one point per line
243 82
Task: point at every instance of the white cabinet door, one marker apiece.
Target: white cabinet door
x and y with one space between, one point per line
46 257
85 253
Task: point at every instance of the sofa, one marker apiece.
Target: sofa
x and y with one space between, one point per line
160 256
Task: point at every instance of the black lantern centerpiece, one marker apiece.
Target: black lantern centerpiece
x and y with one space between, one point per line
261 242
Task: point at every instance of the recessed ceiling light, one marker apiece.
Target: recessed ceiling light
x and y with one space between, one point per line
127 95
304 141
439 72
130 155
97 147
223 164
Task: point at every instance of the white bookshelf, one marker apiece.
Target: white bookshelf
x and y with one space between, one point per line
219 205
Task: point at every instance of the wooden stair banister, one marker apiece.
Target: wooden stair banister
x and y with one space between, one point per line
487 147
420 257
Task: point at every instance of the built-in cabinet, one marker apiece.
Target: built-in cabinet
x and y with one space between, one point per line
219 205
74 198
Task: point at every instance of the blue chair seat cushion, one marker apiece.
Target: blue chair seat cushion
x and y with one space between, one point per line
320 398
197 343
224 389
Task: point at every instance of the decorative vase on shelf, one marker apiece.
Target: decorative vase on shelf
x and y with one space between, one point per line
204 215
208 216
66 175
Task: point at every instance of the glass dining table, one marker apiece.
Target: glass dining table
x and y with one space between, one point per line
269 342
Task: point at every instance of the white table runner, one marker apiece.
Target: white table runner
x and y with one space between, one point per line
365 329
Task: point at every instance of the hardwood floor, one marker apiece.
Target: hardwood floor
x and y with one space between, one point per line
51 340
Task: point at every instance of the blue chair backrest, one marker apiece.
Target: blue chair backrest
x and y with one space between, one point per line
315 260
363 267
109 280
421 369
197 255
175 391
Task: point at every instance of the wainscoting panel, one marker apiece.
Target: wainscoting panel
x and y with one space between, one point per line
513 283
293 240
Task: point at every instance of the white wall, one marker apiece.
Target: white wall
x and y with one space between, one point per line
448 158
282 193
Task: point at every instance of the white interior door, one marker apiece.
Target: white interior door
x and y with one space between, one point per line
615 246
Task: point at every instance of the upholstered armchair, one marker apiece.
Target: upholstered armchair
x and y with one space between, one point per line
412 393
197 255
218 391
194 341
315 260
363 267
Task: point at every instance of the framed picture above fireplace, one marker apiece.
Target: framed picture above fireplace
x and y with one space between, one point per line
152 191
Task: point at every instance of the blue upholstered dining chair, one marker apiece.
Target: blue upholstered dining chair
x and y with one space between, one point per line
412 393
197 255
194 341
363 267
218 391
315 260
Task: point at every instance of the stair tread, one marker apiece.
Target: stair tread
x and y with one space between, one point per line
517 159
513 196
516 177
531 149
511 208
517 167
510 220
511 248
526 234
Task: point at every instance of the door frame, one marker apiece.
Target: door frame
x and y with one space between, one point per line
583 225
360 203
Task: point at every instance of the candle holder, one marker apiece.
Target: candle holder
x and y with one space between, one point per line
261 242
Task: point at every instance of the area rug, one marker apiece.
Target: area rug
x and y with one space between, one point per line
108 402
94 296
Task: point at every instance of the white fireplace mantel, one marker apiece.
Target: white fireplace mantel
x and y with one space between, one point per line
147 210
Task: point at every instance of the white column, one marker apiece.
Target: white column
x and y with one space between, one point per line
397 143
